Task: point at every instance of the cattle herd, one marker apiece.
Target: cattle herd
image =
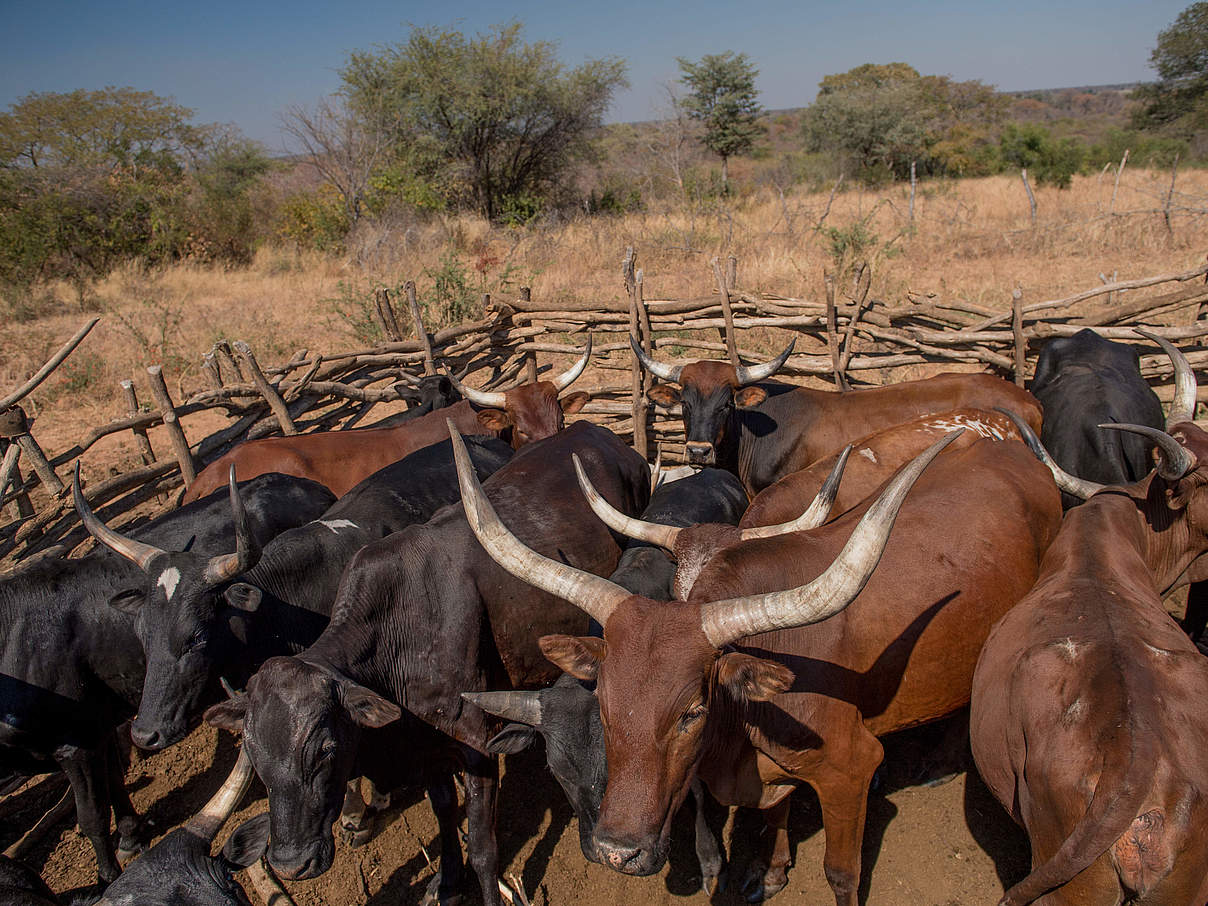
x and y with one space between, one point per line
404 603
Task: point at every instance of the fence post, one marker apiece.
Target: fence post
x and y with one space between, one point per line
14 425
530 358
386 313
1021 362
267 390
176 434
1023 174
913 183
640 385
1174 172
140 434
417 319
726 312
832 332
10 473
1115 188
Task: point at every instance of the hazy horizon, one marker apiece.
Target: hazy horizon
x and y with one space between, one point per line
246 63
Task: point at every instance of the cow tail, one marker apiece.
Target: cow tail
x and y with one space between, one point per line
1119 795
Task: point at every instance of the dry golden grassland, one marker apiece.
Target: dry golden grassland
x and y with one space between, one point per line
971 239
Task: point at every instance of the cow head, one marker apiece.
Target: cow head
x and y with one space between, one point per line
434 391
710 394
567 718
531 411
179 869
184 624
301 725
661 669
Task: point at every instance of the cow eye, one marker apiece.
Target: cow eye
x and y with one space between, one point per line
693 714
196 640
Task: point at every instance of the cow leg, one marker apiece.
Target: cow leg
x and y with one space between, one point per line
132 837
708 847
482 787
87 774
1195 618
447 885
842 784
768 875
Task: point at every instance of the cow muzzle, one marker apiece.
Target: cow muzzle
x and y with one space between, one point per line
301 866
627 858
700 453
156 738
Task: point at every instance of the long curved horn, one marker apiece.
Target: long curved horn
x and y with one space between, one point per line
247 549
1071 484
749 374
817 512
570 375
725 621
521 707
1183 407
653 532
493 399
1175 460
136 552
656 470
210 819
658 369
595 596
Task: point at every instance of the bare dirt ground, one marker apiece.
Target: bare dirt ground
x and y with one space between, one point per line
940 845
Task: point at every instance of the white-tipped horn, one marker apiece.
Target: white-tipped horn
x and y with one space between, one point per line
1182 409
210 819
1174 460
570 375
656 470
750 374
1070 484
247 549
653 532
726 621
520 707
595 596
493 399
135 551
658 369
815 514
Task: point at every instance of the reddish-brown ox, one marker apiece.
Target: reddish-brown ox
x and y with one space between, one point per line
1088 719
340 460
764 431
736 686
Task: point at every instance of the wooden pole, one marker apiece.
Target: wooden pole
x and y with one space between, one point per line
209 367
176 434
832 333
1023 174
42 468
913 184
8 468
267 390
57 359
530 362
1021 362
1174 172
223 352
141 440
639 383
386 312
1115 188
418 321
726 311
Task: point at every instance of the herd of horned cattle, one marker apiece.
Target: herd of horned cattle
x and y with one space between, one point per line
403 603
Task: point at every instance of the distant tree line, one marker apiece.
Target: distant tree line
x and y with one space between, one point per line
492 123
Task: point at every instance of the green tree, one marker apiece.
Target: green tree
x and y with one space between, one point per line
1177 104
724 98
490 120
1053 162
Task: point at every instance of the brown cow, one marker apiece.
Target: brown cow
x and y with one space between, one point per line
341 459
736 686
1087 718
764 431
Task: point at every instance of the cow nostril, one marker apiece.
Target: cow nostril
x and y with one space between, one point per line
146 739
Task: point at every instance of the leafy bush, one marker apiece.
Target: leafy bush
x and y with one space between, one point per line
1051 161
314 220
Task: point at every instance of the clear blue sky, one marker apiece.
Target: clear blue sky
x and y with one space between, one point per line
245 62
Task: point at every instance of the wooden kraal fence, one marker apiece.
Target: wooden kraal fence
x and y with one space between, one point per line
844 339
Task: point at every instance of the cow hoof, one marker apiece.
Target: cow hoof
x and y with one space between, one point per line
133 837
763 883
713 880
357 835
432 895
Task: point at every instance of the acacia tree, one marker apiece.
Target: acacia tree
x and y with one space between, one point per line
1178 102
492 120
724 98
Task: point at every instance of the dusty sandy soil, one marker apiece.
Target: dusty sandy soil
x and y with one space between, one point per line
943 845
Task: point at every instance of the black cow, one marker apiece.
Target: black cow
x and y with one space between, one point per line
279 599
435 391
420 616
567 716
22 886
71 667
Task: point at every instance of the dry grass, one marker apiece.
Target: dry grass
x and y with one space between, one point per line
971 239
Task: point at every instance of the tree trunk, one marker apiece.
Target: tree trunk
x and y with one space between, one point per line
725 182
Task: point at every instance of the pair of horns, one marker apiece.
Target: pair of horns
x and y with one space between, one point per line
217 569
666 536
747 374
497 399
721 621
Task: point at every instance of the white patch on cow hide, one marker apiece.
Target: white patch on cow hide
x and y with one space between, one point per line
1068 648
868 454
956 422
168 580
336 524
1073 713
1160 651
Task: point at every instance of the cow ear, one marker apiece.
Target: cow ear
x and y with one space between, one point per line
511 739
662 395
228 715
494 419
366 707
579 656
129 601
247 844
749 396
243 596
573 402
753 679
